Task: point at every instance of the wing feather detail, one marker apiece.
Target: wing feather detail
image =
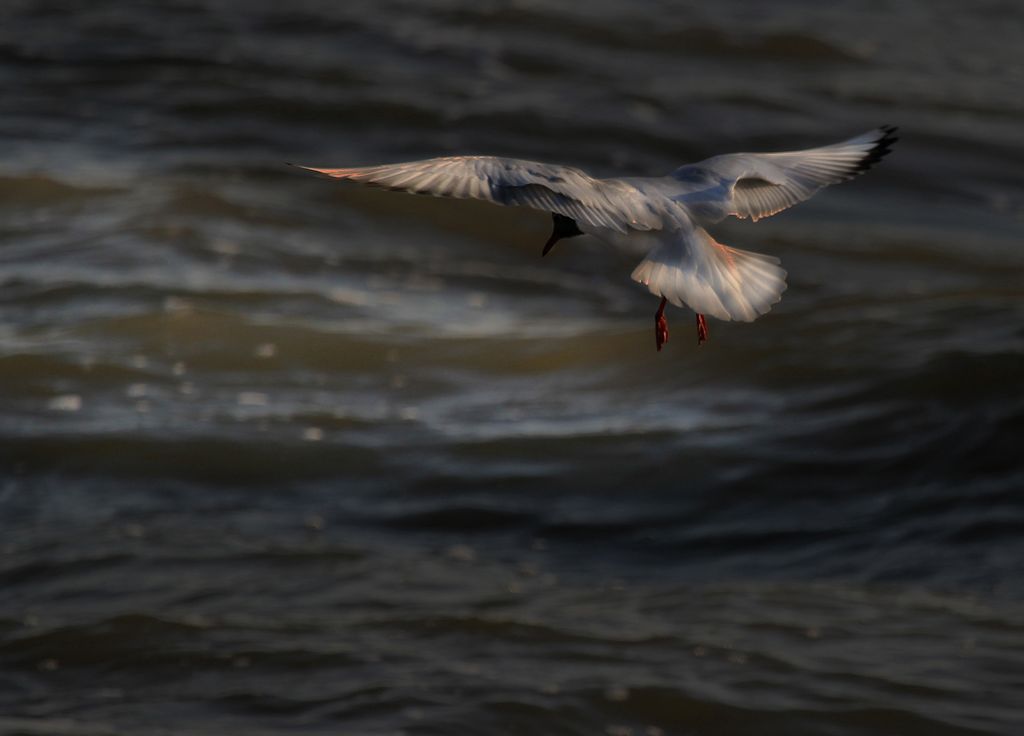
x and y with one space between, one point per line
603 203
757 185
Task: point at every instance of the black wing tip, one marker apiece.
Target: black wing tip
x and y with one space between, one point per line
880 150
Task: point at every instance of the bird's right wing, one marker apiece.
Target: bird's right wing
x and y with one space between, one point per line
602 203
757 185
689 268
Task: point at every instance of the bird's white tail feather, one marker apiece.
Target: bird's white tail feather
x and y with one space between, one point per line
690 269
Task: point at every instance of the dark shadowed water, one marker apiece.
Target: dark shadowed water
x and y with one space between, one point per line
281 455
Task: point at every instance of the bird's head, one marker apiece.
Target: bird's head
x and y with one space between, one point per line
565 227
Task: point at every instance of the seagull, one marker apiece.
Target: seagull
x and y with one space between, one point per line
664 216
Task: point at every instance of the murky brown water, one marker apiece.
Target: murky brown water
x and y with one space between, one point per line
282 455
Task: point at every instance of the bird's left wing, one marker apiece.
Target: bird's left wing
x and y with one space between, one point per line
757 185
603 203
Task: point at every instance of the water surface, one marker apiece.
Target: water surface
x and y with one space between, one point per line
282 455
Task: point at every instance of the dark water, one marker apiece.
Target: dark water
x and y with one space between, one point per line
279 455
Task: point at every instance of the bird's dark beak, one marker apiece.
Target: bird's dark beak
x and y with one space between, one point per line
555 237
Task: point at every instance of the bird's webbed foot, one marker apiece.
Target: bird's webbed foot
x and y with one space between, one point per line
661 325
702 329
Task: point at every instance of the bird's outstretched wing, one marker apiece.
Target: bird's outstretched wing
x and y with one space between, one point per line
602 203
757 185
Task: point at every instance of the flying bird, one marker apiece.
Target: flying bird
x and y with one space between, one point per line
665 216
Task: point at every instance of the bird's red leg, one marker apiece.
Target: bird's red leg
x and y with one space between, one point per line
661 325
702 329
